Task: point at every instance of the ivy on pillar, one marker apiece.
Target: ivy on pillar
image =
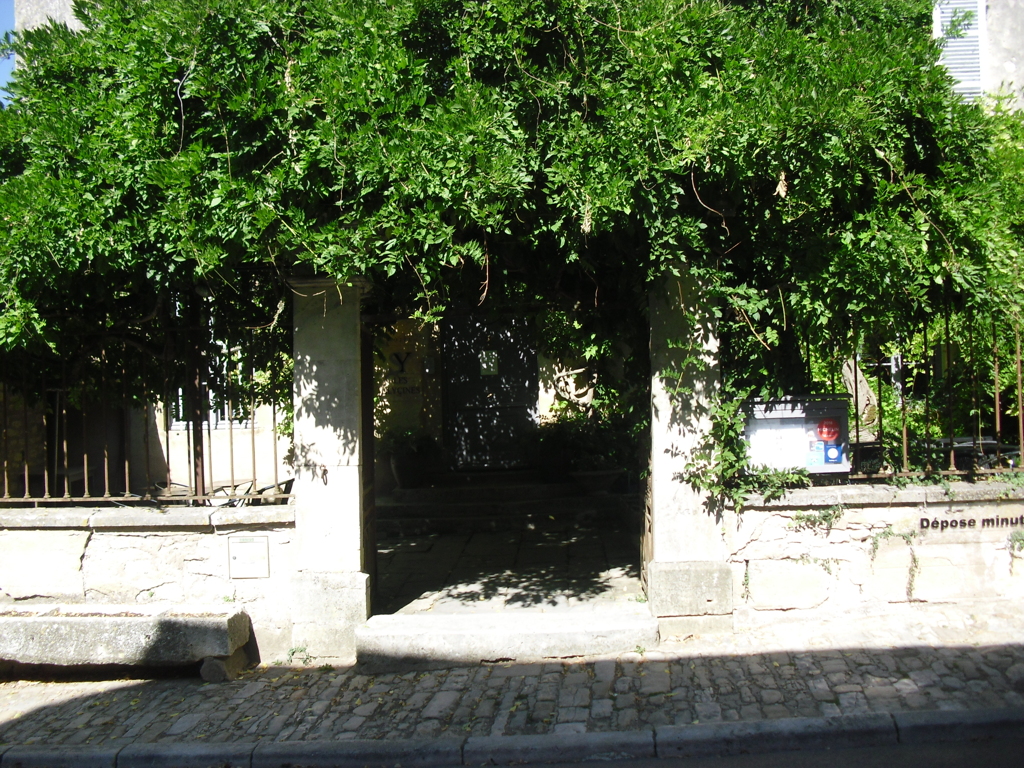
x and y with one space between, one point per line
688 574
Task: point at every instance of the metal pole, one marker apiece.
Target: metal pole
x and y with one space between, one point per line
85 454
273 434
995 381
975 433
24 431
62 399
191 457
106 450
145 442
856 411
927 404
46 445
126 425
231 444
167 445
209 443
903 415
949 394
1020 399
252 437
252 415
194 392
7 480
167 425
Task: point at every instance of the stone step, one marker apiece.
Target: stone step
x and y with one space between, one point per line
489 477
485 493
389 508
132 634
416 518
423 641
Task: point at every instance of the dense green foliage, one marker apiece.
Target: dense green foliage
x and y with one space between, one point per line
807 162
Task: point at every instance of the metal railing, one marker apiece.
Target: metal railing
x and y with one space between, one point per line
946 412
122 452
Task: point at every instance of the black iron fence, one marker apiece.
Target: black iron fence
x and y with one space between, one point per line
59 445
948 403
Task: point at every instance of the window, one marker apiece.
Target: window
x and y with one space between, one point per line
962 55
220 413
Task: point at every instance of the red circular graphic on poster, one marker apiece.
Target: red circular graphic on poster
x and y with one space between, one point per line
828 430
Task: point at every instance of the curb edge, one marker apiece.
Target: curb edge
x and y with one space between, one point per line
707 739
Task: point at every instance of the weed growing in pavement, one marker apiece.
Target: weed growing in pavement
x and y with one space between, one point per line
300 653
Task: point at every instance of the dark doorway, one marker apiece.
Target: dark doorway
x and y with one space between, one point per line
490 391
487 530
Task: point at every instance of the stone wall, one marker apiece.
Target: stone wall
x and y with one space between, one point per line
29 14
177 558
1002 60
817 552
846 548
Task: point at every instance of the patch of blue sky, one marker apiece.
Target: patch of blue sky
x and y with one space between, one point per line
6 25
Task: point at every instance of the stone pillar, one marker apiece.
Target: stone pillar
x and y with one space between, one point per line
331 587
688 574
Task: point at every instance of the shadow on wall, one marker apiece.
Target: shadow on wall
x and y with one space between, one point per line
684 348
148 459
684 357
332 410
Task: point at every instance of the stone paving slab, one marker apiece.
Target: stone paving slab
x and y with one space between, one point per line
793 670
556 567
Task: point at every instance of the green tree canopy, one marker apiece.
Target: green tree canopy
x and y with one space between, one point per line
808 162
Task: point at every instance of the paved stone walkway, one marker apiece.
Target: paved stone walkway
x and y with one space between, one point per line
915 657
531 568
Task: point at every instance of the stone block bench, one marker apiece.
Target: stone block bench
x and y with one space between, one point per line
74 635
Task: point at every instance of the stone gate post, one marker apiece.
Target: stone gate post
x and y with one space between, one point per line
331 585
688 577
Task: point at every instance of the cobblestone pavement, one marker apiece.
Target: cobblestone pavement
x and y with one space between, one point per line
913 658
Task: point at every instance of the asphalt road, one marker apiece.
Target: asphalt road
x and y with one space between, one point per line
965 754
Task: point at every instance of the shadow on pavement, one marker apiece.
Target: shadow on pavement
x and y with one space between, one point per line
544 566
629 694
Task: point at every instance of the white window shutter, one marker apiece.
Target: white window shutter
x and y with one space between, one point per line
962 55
